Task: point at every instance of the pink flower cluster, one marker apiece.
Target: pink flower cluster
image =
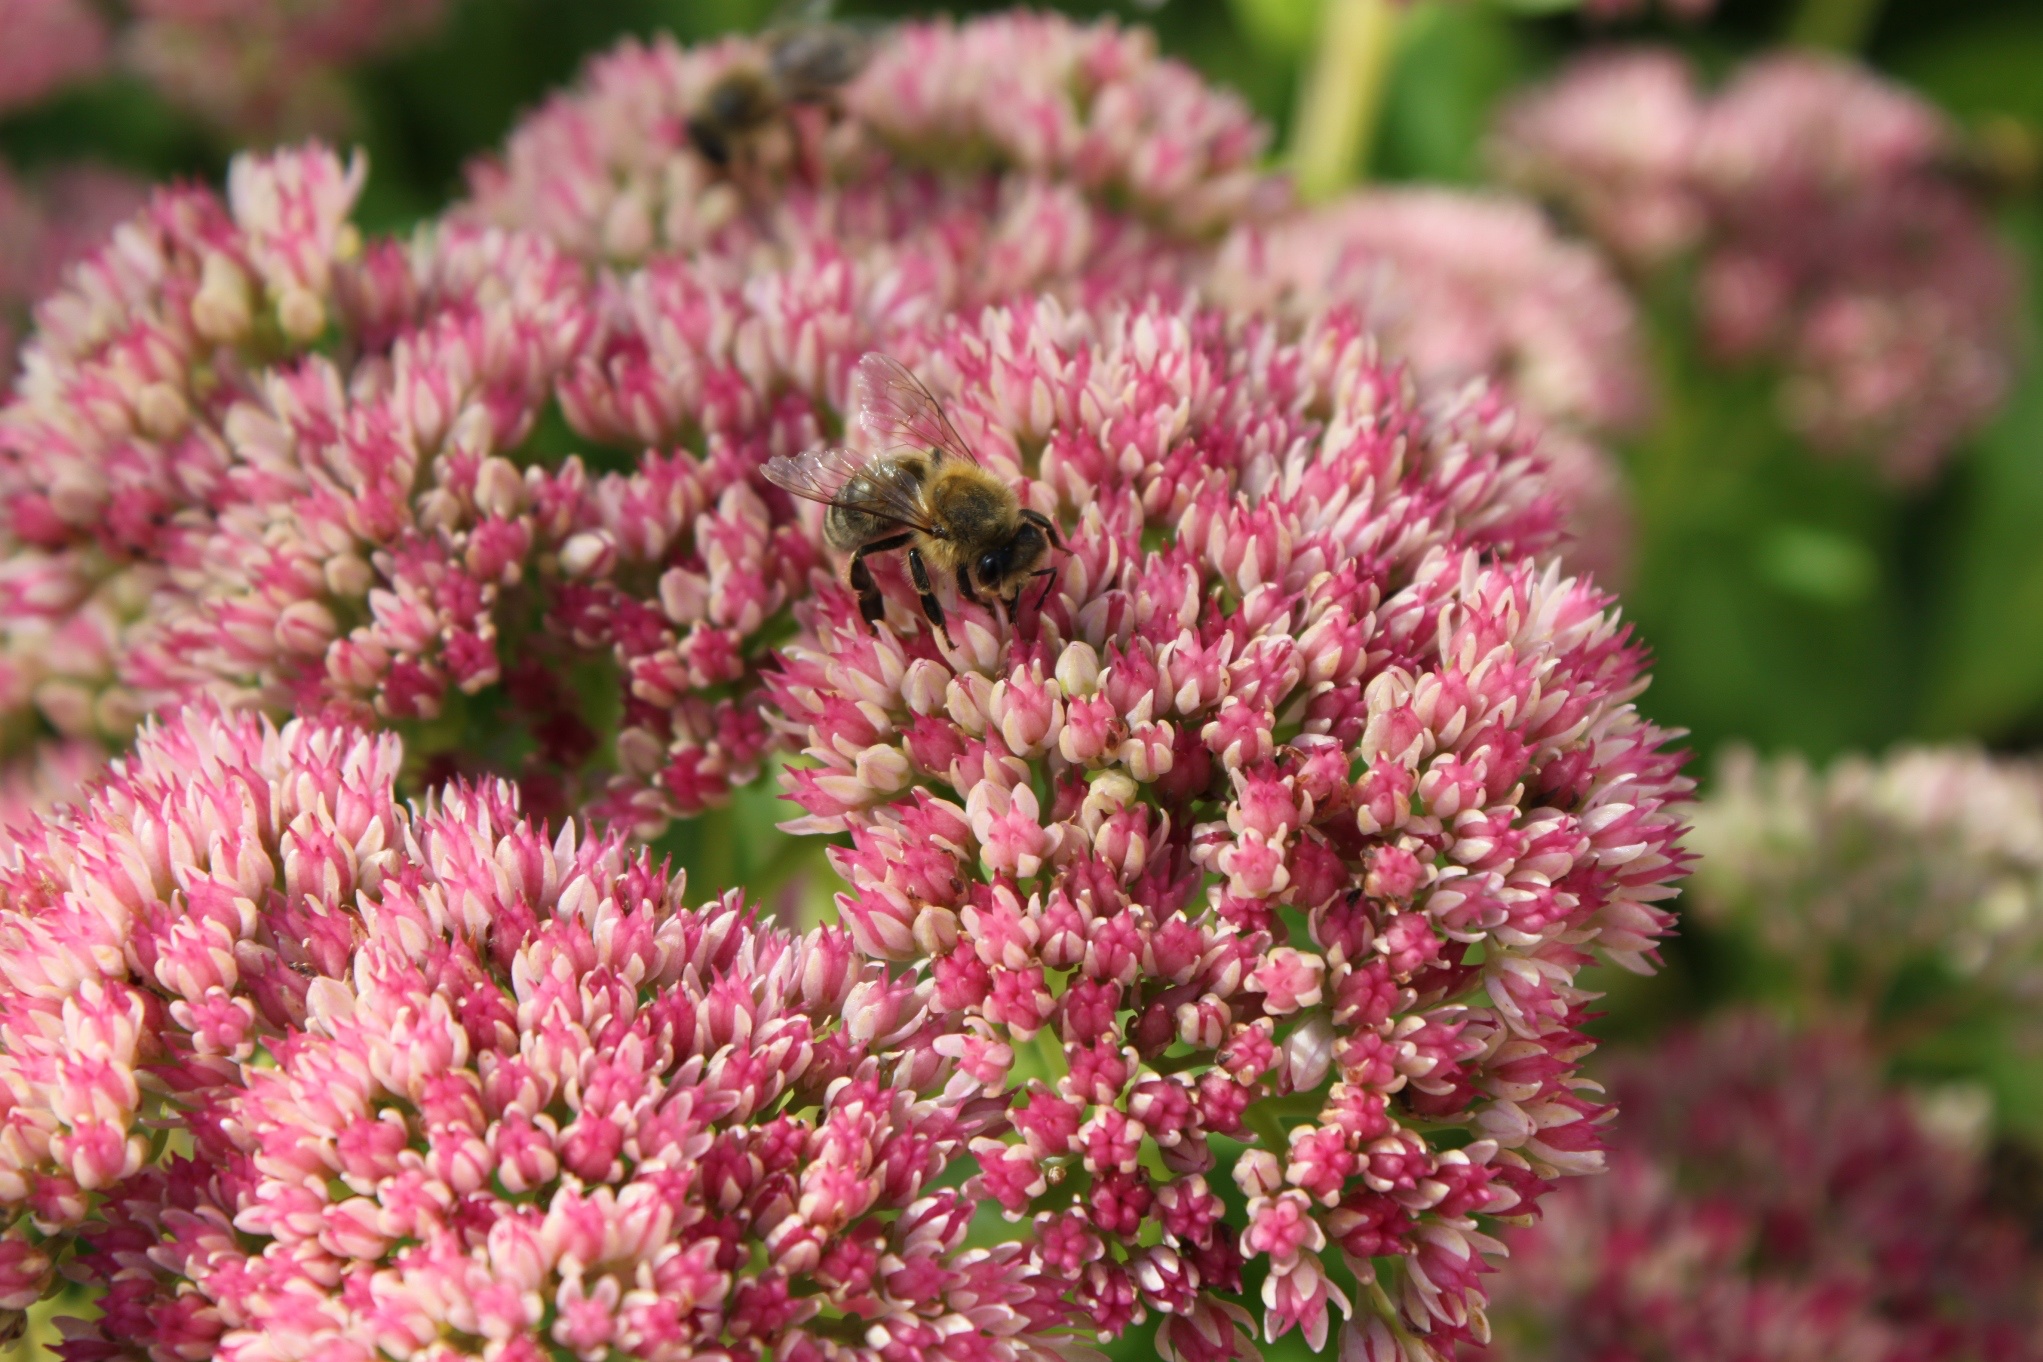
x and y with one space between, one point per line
1834 240
1771 1201
1467 287
1287 820
1262 848
967 164
1854 876
455 1086
51 43
251 456
258 69
263 69
1029 121
105 443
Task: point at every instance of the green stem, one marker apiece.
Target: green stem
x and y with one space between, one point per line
1342 96
1834 25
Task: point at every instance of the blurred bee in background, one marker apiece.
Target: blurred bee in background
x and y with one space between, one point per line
925 492
809 58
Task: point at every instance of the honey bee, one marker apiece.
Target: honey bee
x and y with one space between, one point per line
926 493
808 59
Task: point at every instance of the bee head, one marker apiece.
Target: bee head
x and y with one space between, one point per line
1000 569
709 141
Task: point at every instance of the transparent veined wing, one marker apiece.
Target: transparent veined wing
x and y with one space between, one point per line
832 475
898 411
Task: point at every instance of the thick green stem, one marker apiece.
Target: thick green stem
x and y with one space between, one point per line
1342 95
1835 25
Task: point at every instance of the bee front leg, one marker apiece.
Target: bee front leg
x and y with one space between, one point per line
1046 525
871 607
931 606
1049 576
966 590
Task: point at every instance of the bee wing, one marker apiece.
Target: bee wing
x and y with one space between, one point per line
897 410
825 473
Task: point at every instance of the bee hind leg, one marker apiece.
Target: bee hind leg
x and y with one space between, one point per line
931 606
871 606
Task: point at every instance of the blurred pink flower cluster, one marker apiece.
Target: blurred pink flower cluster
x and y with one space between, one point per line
267 68
51 44
446 1075
1770 1200
1029 122
1466 287
1288 819
1835 237
258 69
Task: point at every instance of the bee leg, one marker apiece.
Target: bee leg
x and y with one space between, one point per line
965 588
1046 525
931 606
871 608
1049 576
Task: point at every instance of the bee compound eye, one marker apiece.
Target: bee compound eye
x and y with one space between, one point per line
989 567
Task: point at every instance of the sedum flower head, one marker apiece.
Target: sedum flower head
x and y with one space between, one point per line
1770 1200
1834 242
997 111
251 456
1611 141
456 1084
1287 821
1468 287
105 445
340 479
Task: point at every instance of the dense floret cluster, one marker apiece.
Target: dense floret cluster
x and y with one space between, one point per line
451 1077
965 164
312 470
249 455
1006 117
1287 819
1835 242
